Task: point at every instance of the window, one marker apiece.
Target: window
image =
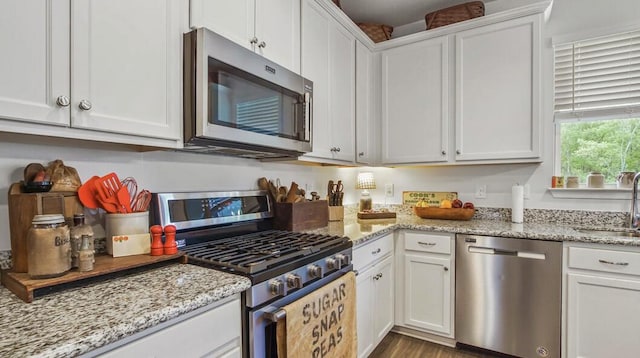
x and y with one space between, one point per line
597 105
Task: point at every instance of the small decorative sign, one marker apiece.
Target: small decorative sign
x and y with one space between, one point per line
433 198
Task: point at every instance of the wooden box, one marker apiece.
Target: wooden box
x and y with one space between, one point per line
300 216
23 207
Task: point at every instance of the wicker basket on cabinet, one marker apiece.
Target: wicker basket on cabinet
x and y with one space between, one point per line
377 32
454 14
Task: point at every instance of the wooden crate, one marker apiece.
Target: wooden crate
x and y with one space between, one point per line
23 207
304 215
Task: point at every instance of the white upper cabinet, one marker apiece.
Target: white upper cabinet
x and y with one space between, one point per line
328 59
94 69
271 28
34 38
471 96
365 102
415 114
498 91
126 66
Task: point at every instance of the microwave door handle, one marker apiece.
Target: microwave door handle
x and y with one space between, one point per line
308 100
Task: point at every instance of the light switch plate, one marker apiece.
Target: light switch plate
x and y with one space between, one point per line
388 190
481 191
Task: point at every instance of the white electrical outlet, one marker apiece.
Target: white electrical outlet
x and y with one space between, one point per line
388 190
481 191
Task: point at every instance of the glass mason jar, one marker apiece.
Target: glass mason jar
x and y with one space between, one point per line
49 247
595 180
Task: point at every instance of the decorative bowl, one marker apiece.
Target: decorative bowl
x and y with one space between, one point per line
445 214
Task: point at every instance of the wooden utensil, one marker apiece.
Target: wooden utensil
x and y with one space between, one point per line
292 195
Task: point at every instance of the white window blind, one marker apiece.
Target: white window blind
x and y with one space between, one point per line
598 76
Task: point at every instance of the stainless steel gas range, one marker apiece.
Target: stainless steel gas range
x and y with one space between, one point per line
232 231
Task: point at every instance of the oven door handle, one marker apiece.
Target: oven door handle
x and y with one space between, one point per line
276 315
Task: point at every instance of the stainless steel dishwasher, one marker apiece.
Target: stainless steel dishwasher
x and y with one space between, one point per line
509 295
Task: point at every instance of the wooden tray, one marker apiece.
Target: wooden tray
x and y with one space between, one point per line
445 214
25 287
377 215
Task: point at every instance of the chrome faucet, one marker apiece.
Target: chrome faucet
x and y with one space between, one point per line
634 221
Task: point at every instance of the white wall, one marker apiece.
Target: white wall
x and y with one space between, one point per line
156 171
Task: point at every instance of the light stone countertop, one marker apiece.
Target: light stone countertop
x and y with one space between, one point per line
78 320
75 321
360 230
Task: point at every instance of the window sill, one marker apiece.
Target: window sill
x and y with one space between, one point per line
591 193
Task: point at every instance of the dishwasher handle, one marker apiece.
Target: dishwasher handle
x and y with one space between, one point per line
495 251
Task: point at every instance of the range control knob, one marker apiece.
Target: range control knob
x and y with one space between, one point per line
333 264
344 259
294 281
276 287
314 271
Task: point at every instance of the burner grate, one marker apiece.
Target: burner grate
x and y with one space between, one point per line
261 250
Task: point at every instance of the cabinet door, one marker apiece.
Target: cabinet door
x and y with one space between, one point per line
497 91
364 306
364 104
383 293
602 316
34 38
315 66
126 65
415 109
342 62
200 336
427 295
231 19
278 32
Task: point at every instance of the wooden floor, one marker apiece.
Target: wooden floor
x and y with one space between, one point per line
401 346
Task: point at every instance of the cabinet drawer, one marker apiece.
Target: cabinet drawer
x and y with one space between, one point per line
367 254
440 244
604 260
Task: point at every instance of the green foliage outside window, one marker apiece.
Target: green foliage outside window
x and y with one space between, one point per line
609 147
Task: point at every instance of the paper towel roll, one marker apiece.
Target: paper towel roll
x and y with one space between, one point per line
517 203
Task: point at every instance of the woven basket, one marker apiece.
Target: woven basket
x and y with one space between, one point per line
454 14
376 32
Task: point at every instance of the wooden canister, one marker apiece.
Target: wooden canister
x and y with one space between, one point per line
49 246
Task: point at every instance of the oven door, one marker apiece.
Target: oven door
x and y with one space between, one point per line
262 321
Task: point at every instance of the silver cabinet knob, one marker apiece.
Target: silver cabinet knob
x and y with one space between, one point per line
63 101
444 153
85 105
254 40
262 44
361 154
446 268
338 149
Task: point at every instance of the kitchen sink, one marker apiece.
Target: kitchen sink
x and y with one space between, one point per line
603 232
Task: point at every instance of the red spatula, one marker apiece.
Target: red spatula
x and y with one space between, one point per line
87 193
107 188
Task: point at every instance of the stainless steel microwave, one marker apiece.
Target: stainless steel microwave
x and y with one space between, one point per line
237 102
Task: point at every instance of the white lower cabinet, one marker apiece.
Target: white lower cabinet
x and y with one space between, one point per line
602 289
212 332
425 282
374 293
